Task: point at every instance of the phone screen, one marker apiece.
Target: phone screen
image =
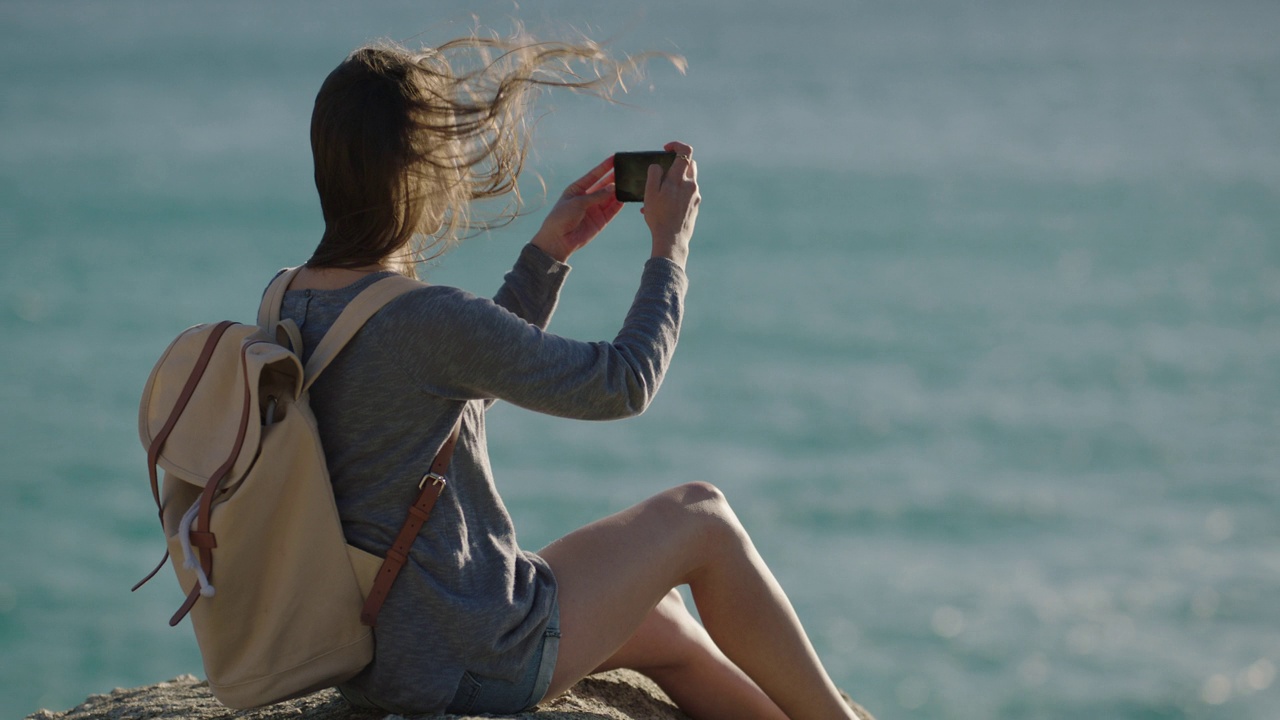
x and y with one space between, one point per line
631 170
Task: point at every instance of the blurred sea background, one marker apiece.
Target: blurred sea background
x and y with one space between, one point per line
982 340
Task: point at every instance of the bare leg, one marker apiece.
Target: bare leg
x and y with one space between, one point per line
673 649
613 573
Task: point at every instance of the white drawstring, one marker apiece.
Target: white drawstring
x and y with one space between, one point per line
189 555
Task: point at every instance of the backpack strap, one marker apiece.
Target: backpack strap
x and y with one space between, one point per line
353 317
431 486
269 308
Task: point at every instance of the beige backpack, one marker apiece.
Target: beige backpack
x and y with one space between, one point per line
281 604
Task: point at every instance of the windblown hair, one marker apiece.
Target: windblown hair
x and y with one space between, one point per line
405 141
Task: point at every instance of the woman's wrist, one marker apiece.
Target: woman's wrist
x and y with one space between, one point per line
671 249
556 250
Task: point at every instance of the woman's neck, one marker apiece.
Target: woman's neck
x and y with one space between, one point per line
309 278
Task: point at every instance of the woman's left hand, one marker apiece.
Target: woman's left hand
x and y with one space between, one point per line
580 214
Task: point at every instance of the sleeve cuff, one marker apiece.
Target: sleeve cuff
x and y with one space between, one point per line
540 262
667 272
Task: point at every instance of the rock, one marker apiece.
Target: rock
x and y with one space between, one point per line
616 695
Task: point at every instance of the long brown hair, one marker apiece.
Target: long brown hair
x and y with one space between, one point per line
404 141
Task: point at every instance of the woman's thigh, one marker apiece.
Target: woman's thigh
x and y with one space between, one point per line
612 573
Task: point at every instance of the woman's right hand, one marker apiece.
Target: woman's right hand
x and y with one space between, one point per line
671 204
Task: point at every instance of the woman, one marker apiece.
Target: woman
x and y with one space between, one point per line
404 142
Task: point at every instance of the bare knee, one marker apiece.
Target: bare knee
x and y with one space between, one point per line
699 492
700 510
700 497
698 503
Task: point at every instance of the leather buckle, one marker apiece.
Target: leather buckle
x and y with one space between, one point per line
435 478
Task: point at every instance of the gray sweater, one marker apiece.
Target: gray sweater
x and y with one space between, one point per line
469 598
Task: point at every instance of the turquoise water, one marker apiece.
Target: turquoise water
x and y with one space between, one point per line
982 340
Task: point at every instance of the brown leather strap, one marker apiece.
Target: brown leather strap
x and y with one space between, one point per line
153 572
197 372
157 444
432 485
207 541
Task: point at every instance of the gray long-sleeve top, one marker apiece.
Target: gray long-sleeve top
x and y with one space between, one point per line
469 598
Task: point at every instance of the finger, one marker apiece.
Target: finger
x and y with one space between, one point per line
679 148
605 181
597 196
610 208
584 183
654 180
682 167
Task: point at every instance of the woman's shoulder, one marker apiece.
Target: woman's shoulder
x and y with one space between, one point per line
434 297
442 306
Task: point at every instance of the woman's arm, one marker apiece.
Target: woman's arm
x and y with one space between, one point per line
455 345
531 288
500 350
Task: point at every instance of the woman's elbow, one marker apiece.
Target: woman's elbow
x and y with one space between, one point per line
630 384
629 399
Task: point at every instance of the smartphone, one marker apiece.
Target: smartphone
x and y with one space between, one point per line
631 171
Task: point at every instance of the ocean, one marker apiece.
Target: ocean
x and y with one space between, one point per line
982 340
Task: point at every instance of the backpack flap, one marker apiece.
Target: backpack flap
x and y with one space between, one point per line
204 432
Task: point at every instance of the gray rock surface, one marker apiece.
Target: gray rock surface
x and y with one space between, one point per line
617 695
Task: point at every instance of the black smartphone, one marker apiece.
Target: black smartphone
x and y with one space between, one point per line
631 171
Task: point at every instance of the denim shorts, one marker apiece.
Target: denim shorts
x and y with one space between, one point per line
491 696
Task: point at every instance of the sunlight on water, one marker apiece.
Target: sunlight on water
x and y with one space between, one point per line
982 338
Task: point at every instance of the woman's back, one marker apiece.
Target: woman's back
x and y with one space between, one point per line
470 598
